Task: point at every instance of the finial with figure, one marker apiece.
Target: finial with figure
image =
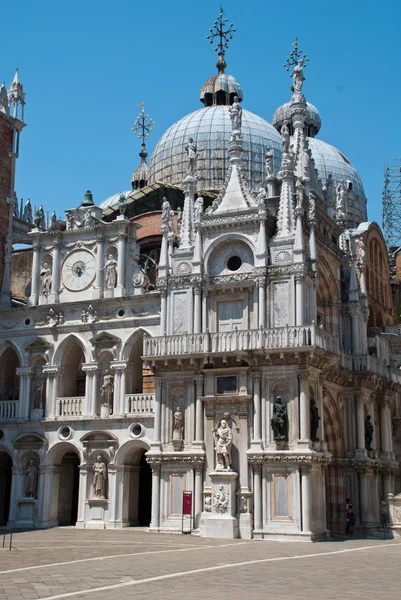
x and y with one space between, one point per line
296 62
192 155
236 117
285 137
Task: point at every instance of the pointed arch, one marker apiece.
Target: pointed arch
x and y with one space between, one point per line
132 340
65 343
4 346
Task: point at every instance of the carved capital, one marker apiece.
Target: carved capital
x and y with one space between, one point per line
25 372
118 366
158 381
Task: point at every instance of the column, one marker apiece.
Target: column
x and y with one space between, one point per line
34 297
198 494
119 386
197 310
155 522
257 434
262 304
52 372
25 375
360 424
257 497
83 476
157 410
55 273
199 409
304 407
48 483
90 392
121 264
384 433
306 500
320 405
163 312
299 301
99 268
363 496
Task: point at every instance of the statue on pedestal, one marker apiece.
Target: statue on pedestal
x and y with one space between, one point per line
178 427
107 390
298 77
111 273
314 421
279 420
369 429
31 481
190 149
223 440
100 477
236 117
45 279
269 162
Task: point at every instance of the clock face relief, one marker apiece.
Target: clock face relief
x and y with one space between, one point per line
78 270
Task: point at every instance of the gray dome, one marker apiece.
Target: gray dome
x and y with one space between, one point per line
211 130
329 160
313 121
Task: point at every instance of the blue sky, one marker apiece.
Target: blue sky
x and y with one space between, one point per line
85 65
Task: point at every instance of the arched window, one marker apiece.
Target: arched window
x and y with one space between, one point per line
73 377
9 380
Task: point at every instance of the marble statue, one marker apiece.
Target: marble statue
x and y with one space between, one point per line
53 220
340 200
298 77
190 149
31 480
39 395
167 217
285 137
27 214
224 440
111 273
314 421
243 504
41 216
269 162
198 209
329 191
88 315
208 504
178 426
107 390
100 477
279 420
312 207
369 429
236 117
221 500
45 279
261 197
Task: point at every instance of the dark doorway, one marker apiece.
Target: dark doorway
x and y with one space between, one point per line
145 493
68 490
5 486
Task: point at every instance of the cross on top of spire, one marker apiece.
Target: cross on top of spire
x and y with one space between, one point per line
143 125
295 56
222 31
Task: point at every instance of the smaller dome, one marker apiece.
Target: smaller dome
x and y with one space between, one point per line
113 200
313 121
220 90
140 176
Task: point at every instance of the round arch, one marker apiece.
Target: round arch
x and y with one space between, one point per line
136 491
227 237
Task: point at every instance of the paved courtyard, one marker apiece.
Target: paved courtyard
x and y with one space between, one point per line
104 565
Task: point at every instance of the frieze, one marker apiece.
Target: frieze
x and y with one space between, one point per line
195 460
234 278
291 459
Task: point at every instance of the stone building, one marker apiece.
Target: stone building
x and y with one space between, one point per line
218 329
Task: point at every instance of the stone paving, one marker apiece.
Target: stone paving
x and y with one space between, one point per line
130 563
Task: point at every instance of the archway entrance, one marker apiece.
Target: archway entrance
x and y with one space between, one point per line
335 480
145 493
68 489
5 486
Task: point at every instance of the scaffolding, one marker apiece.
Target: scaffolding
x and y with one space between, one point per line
391 205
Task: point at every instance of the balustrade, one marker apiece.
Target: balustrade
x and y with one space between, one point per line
70 407
139 404
8 409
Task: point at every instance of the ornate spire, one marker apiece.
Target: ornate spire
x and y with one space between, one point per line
16 96
142 128
296 60
223 32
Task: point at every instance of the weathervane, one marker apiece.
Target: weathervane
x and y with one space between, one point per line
296 55
221 30
143 125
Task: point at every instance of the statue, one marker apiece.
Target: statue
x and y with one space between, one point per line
39 396
220 500
236 117
269 162
223 440
167 217
53 220
88 219
4 106
340 200
111 273
31 481
179 218
27 215
285 137
314 421
369 429
178 426
107 390
190 149
279 420
208 504
312 207
122 205
100 477
45 279
70 220
329 191
261 197
298 77
198 209
41 217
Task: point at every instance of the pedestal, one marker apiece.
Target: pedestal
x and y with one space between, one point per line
221 522
105 411
36 414
26 513
95 513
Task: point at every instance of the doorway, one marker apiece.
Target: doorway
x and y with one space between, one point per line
68 490
145 493
5 486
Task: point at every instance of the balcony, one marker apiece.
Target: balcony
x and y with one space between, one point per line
279 338
70 407
8 409
139 404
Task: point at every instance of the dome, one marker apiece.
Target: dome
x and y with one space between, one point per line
210 128
313 121
329 160
113 200
220 89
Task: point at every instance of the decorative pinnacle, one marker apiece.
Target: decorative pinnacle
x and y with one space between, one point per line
295 56
143 125
222 31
